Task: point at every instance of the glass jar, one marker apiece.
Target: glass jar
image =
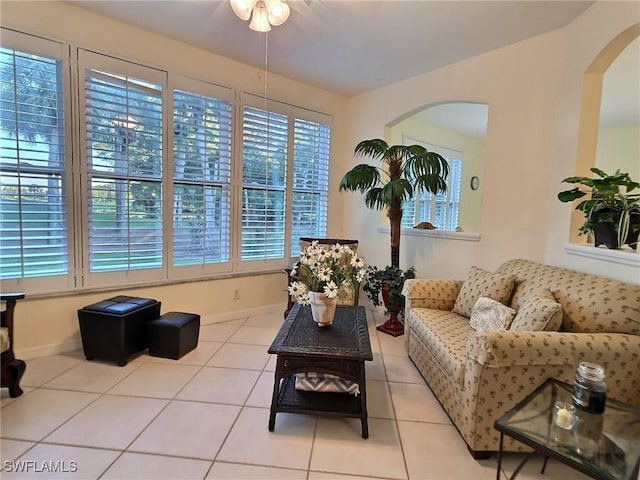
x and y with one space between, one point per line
589 389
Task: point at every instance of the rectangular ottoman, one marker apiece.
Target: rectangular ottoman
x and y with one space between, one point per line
173 335
115 329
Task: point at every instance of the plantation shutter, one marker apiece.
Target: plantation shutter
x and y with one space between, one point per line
33 207
264 164
201 179
123 121
311 146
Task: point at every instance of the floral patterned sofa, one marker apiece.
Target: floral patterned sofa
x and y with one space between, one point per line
479 375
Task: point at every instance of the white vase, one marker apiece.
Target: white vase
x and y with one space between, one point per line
323 308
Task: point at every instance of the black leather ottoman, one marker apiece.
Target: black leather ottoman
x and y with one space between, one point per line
116 329
173 335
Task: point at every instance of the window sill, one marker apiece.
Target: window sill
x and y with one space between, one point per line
624 257
449 235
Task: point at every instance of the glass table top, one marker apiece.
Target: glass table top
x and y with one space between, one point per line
605 445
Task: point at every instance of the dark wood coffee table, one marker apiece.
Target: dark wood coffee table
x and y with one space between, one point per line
340 349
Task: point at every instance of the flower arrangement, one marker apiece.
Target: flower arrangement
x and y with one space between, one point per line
325 269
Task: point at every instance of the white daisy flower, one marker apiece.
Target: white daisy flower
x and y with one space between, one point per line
357 262
294 271
297 289
304 299
331 290
336 251
325 274
361 275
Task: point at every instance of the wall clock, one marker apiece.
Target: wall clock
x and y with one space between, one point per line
475 183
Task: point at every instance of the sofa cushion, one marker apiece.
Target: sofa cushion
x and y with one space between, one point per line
590 303
490 316
481 283
445 335
539 311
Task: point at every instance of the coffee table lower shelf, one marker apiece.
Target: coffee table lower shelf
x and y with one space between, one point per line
329 404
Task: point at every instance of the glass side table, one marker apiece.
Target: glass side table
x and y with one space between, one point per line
605 446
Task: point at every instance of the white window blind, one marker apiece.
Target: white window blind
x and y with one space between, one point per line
311 146
33 208
201 179
124 145
441 210
264 167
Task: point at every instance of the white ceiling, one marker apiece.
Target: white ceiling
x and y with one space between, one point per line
350 46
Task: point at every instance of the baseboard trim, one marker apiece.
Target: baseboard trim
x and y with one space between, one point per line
76 343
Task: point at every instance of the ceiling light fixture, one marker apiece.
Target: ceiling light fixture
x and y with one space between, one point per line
265 13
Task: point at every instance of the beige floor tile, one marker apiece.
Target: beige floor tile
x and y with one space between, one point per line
5 399
438 452
235 471
37 414
375 369
392 345
156 380
12 449
271 364
235 355
334 476
379 400
250 441
41 370
401 369
263 391
220 385
112 421
188 429
531 471
217 332
200 356
416 402
271 320
92 377
71 462
373 339
340 448
254 335
134 466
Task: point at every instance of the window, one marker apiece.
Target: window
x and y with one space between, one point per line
310 181
124 154
201 179
152 177
264 167
441 210
33 206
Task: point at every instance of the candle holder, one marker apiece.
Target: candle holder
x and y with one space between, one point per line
564 415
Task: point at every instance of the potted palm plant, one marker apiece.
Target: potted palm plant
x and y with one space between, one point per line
405 171
611 212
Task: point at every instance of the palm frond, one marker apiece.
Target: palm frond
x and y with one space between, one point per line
375 148
360 178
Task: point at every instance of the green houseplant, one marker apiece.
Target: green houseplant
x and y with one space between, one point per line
611 211
405 170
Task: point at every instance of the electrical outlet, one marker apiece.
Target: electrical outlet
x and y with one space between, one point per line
236 294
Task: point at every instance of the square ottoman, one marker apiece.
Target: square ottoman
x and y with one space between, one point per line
115 329
173 335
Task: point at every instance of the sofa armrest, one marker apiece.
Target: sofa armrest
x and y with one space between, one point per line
505 349
430 293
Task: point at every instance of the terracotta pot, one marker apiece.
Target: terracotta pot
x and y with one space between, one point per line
323 308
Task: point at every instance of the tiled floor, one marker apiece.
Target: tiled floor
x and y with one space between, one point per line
206 415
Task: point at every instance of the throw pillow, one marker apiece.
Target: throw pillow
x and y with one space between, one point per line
538 312
480 283
491 316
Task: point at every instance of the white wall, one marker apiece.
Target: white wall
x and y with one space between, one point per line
519 83
586 37
619 149
52 321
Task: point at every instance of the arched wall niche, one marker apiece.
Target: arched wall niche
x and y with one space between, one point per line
590 112
457 128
